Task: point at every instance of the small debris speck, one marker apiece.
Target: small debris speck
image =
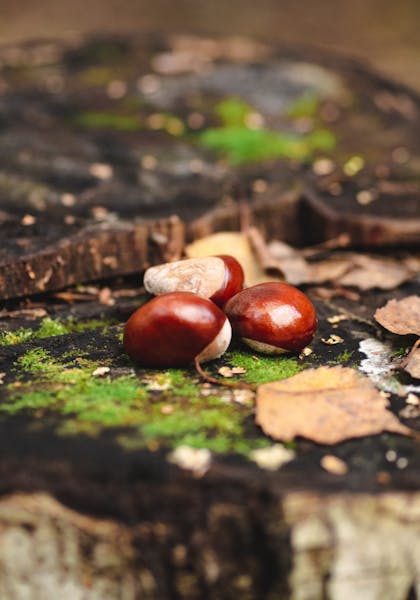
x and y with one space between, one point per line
337 319
334 465
197 460
391 456
402 462
365 197
332 340
116 89
68 200
149 162
354 165
412 399
28 220
149 84
101 170
323 166
273 457
101 371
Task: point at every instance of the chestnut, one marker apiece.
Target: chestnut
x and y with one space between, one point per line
272 317
214 277
176 329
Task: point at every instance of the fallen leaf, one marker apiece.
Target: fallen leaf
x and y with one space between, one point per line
237 245
401 316
278 257
328 270
412 399
369 273
326 405
412 365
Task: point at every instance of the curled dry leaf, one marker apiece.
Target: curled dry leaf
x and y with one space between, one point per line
280 258
369 273
412 365
326 405
401 316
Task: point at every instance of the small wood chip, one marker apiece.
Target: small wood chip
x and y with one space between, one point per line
100 371
332 340
337 319
231 371
197 460
334 465
412 399
272 458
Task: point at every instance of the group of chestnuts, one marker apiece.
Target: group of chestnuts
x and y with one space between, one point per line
197 304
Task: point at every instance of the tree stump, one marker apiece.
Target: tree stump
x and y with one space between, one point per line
123 482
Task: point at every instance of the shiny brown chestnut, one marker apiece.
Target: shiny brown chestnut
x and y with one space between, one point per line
176 329
272 317
215 277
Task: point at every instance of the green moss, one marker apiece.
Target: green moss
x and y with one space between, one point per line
182 384
157 408
108 120
66 392
306 105
261 369
15 337
233 112
345 356
50 327
241 145
400 352
36 361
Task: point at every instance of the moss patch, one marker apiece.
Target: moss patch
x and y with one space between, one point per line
50 327
108 120
239 141
262 369
156 408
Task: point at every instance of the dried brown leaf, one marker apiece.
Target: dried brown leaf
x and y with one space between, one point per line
236 244
401 316
289 262
413 364
369 273
327 405
328 270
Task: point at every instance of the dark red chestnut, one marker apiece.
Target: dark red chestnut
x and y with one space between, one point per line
272 317
176 329
214 277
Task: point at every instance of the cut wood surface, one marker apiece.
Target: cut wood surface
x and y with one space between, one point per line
110 130
123 482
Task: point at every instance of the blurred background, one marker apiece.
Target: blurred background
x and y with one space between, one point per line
384 32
